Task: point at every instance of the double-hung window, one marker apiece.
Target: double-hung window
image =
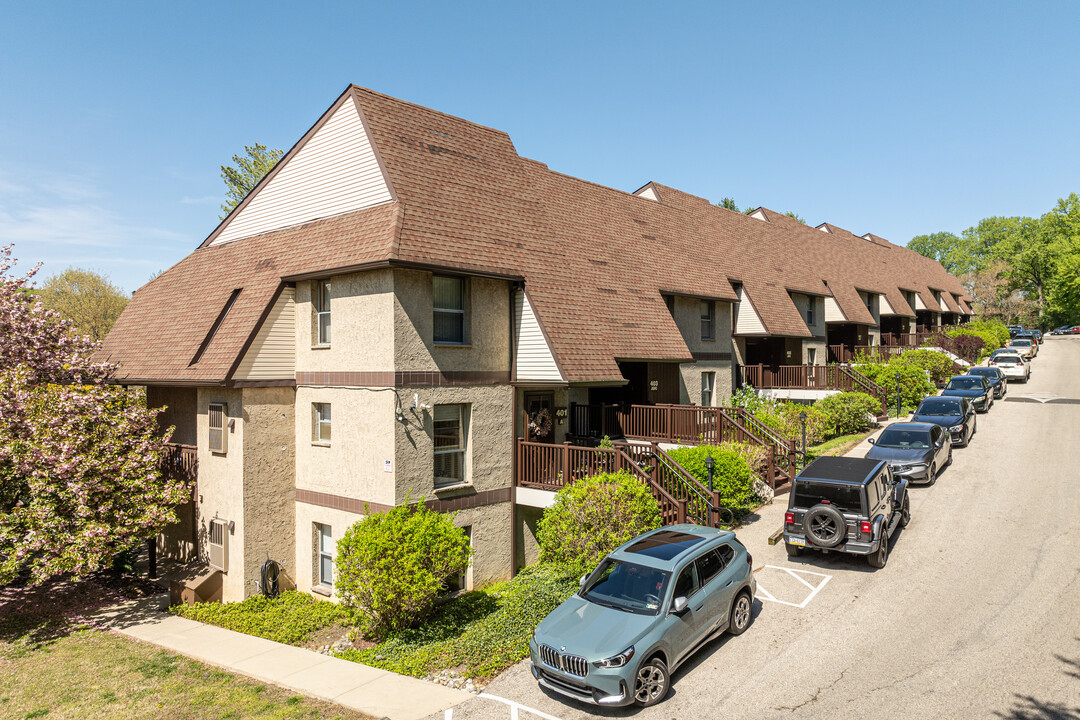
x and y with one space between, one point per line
708 379
325 556
810 311
708 319
451 432
320 422
449 316
322 312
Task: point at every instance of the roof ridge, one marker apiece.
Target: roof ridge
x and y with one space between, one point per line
355 88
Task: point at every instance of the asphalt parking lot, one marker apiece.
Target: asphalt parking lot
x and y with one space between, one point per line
977 613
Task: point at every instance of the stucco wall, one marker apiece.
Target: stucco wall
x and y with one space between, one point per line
180 410
801 302
221 486
490 542
688 318
362 438
487 308
361 324
307 541
489 445
822 354
528 551
269 482
690 392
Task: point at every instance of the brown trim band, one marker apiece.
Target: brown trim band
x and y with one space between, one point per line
353 505
712 356
390 378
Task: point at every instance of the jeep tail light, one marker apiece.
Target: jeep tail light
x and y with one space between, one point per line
864 527
789 518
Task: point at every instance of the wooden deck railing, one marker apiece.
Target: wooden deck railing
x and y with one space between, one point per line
812 377
551 467
181 462
683 424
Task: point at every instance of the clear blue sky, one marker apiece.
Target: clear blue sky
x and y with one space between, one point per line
894 118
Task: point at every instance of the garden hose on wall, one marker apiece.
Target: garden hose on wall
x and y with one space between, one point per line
270 572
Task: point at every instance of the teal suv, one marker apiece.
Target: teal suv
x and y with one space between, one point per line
644 611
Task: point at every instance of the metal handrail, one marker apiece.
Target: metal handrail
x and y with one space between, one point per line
693 484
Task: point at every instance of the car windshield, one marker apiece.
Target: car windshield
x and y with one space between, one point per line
627 586
939 406
906 439
965 383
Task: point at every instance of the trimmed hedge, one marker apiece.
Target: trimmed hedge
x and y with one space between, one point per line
732 474
914 384
391 567
289 618
937 364
593 516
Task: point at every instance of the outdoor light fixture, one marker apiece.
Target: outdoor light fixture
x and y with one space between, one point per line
709 462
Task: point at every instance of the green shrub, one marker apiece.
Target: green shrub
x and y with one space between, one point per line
289 618
593 516
732 475
391 567
479 633
994 332
849 412
914 384
939 365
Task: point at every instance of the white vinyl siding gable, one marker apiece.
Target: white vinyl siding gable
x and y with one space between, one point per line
533 356
648 193
833 313
886 308
747 321
272 355
919 304
335 172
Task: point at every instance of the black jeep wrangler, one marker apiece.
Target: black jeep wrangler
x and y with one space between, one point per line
843 504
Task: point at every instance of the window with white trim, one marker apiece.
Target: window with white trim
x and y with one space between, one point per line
708 320
708 381
451 432
322 312
320 422
216 415
449 310
324 553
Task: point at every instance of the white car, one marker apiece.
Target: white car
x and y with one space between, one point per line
1014 365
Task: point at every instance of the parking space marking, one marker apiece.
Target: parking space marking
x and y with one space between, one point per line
814 589
515 708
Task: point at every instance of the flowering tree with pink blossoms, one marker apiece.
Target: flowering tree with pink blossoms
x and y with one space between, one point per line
79 457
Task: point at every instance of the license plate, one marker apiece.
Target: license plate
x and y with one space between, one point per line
796 541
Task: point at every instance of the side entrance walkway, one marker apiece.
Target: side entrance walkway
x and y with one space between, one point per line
376 692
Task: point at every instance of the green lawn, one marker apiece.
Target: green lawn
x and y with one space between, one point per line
53 665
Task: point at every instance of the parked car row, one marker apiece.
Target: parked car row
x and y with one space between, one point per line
652 602
1066 330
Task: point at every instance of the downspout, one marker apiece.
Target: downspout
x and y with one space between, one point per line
513 437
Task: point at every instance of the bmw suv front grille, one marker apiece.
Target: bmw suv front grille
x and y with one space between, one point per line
569 664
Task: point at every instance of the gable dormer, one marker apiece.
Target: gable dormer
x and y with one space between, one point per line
648 192
334 169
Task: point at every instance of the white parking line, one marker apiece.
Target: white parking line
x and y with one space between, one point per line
814 589
515 707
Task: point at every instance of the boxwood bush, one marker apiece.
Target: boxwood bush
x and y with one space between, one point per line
732 474
850 412
391 567
593 516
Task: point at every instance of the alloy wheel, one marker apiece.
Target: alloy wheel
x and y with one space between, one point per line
742 612
651 683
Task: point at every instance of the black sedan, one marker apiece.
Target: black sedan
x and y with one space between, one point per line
995 376
974 387
915 451
955 414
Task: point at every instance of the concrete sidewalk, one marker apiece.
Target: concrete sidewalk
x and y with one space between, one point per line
360 687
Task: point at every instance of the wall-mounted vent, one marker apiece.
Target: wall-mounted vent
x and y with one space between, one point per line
218 544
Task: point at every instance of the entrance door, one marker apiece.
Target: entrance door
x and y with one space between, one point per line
540 428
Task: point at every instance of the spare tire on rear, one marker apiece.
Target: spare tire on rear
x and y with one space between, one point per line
824 525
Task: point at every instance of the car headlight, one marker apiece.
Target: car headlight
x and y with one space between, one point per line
616 661
956 428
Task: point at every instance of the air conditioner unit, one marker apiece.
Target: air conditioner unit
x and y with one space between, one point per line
219 544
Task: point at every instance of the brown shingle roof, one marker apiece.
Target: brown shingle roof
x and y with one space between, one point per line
596 260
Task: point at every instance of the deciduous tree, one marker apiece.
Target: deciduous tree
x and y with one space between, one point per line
248 170
86 298
79 458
